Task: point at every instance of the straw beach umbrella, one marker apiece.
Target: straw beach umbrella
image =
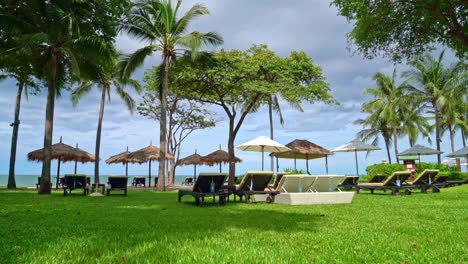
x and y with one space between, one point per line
147 154
262 144
63 153
355 146
193 159
120 158
304 149
218 157
419 150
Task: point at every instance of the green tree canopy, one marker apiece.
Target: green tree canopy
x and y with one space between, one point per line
240 81
404 29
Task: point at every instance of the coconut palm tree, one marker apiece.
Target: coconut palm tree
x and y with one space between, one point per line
16 64
433 81
390 101
156 22
377 127
414 124
60 34
104 76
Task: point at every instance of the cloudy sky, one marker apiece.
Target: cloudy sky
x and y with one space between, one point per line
312 26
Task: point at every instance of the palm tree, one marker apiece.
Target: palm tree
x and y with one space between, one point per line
433 81
414 124
60 34
377 127
462 120
156 22
17 65
390 101
273 105
104 76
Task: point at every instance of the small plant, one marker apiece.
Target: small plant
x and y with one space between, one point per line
295 171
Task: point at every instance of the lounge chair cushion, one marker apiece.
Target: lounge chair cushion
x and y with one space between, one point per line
290 183
322 183
424 177
391 180
260 180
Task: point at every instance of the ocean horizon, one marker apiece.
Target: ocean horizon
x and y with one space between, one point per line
30 180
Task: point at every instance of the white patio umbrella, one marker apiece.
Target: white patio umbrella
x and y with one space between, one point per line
262 144
460 154
355 146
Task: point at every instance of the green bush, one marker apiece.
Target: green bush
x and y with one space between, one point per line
388 169
455 175
295 171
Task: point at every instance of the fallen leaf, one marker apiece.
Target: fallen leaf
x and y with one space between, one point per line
123 258
4 216
78 213
414 246
322 215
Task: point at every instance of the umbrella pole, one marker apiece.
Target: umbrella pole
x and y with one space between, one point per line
194 173
262 156
326 163
307 162
126 169
149 174
357 168
76 163
220 164
58 174
295 162
419 158
277 165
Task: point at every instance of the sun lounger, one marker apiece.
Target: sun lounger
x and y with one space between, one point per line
278 177
327 183
377 178
139 180
423 181
253 183
75 182
440 182
349 182
207 184
39 183
117 183
297 190
394 182
188 181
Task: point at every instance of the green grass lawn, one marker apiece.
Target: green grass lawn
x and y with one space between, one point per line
150 227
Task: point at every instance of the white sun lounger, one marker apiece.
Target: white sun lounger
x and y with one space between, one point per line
327 183
296 183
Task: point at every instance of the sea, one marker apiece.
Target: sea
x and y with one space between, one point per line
31 180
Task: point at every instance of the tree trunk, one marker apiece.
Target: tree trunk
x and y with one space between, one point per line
232 164
463 138
395 143
388 152
436 110
162 126
410 142
98 135
49 122
270 112
453 146
14 139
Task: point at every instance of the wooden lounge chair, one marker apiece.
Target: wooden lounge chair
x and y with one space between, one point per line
377 178
390 183
75 182
188 181
117 183
349 182
139 180
296 183
278 177
207 184
327 183
39 183
255 182
423 181
440 182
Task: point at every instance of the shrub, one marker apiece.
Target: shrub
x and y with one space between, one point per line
295 171
455 175
388 169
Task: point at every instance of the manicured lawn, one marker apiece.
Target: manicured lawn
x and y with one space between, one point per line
150 227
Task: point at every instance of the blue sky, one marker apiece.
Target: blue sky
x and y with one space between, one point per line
312 26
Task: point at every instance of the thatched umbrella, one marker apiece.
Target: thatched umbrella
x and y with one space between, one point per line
120 158
218 157
63 153
304 149
193 159
148 154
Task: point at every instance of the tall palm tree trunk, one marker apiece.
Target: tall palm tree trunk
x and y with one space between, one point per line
270 112
453 146
410 141
162 125
436 110
98 135
49 122
14 139
232 165
395 142
463 138
388 150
